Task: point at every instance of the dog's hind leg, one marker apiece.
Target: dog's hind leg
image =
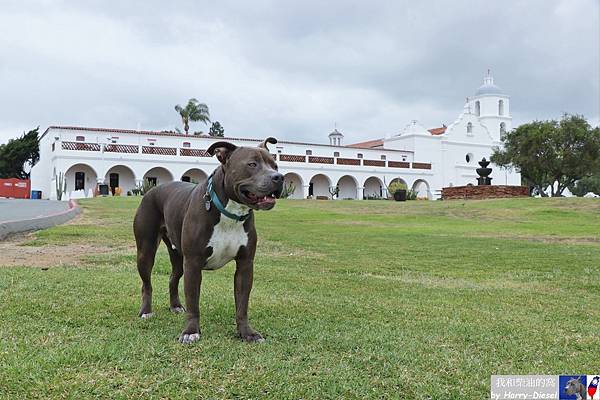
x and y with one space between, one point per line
147 238
176 274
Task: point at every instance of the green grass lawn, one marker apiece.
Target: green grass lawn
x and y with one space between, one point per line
371 299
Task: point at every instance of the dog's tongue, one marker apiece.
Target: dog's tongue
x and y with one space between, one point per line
266 200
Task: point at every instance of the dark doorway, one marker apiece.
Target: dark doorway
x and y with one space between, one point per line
113 182
185 179
79 180
310 189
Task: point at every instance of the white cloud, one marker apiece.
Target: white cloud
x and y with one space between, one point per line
290 69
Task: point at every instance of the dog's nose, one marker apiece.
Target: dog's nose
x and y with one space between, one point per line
277 178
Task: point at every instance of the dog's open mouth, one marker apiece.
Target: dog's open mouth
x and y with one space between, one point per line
264 201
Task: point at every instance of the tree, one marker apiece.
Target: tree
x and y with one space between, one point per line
216 130
18 154
551 153
193 111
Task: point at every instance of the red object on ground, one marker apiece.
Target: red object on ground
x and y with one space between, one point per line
16 188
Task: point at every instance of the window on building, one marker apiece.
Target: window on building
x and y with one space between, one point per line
500 107
186 144
359 155
80 138
469 158
53 146
383 157
336 153
502 128
477 108
403 158
309 152
469 128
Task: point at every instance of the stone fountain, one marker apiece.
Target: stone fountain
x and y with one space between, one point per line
484 173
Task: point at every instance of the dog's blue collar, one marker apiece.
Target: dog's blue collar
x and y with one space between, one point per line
215 200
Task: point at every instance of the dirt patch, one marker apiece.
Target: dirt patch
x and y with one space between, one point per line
15 252
541 239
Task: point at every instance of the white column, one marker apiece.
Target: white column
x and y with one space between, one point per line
305 191
360 193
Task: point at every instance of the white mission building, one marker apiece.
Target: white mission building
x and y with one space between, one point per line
426 160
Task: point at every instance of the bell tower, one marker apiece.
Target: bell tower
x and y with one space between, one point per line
336 138
492 106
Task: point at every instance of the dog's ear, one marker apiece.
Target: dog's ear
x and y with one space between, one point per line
222 150
271 140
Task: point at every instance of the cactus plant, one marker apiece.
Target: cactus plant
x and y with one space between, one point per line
146 185
288 190
334 191
61 185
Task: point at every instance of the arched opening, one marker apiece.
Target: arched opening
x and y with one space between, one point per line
469 158
469 128
421 187
373 188
194 175
348 187
502 128
158 176
477 108
80 177
120 176
500 107
319 186
399 180
293 183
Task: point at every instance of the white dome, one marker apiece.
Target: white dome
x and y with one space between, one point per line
488 87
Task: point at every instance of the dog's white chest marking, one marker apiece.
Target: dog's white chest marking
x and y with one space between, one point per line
227 237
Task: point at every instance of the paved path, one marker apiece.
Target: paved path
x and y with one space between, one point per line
18 215
19 209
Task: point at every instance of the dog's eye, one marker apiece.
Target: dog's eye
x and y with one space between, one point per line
252 165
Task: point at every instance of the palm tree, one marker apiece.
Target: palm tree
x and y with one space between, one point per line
193 111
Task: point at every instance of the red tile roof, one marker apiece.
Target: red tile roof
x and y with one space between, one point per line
367 145
438 131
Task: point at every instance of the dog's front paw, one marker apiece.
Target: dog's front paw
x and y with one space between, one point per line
189 338
177 309
251 336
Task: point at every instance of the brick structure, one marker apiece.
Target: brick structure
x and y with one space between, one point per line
483 192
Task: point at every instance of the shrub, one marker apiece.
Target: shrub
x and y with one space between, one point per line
395 186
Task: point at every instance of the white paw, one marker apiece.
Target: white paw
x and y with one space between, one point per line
146 316
177 310
188 338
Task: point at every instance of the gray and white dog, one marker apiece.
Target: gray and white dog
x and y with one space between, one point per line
204 227
575 387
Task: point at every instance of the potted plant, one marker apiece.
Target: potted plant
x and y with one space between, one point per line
398 190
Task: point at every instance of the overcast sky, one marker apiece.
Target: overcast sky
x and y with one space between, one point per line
292 69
